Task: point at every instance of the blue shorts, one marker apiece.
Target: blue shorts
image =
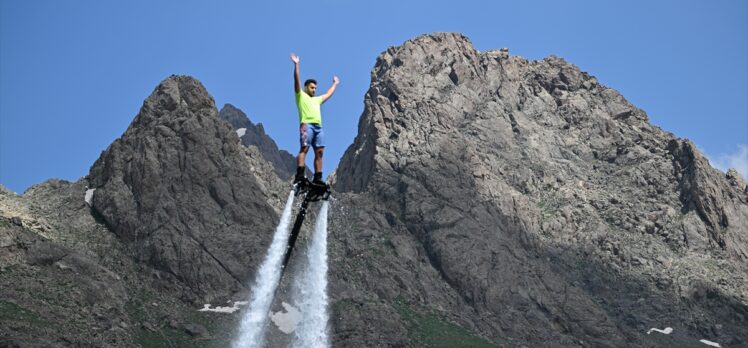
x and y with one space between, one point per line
311 133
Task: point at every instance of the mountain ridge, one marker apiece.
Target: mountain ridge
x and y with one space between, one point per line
565 170
254 135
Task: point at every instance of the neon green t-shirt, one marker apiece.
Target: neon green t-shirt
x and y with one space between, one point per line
309 108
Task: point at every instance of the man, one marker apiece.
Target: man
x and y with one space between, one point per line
310 120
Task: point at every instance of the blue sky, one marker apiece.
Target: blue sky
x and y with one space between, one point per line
73 74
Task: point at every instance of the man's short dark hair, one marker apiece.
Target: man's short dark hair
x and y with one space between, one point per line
307 82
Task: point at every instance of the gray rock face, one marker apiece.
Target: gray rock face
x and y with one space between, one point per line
67 280
254 135
720 203
47 286
58 274
178 186
525 201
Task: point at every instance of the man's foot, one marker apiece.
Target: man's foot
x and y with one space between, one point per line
318 180
300 177
297 179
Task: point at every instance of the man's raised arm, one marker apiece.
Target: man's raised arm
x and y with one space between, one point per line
328 94
296 82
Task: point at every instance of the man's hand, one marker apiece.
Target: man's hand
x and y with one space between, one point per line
296 79
328 94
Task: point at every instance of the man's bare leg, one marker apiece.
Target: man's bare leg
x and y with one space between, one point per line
318 152
300 160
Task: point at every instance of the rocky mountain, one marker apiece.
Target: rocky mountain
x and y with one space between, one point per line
175 214
488 200
528 203
178 187
254 135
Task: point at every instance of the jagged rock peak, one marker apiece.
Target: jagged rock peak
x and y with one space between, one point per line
176 93
451 59
178 186
254 135
236 117
439 82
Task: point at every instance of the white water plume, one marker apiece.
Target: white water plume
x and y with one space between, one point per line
311 290
252 327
